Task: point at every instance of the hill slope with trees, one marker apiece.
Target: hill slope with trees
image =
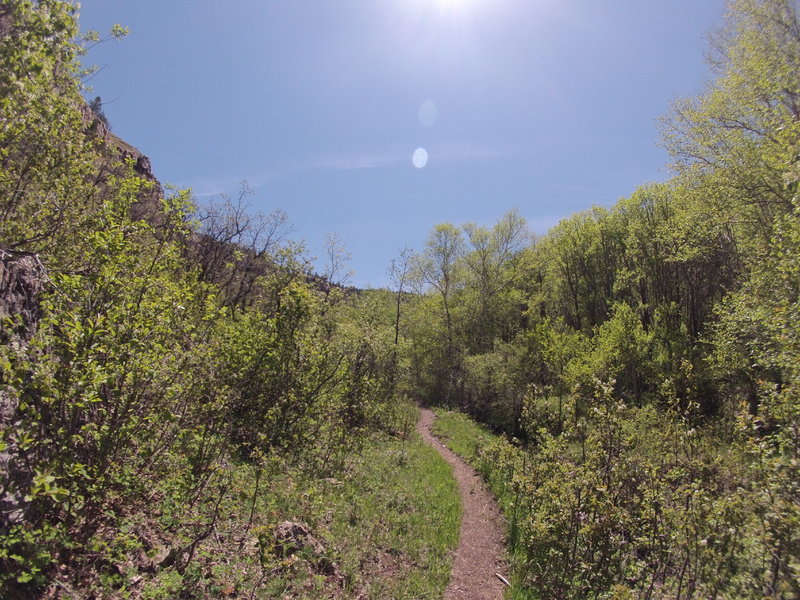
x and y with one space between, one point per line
169 373
643 359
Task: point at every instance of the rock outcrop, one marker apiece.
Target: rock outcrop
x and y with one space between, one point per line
116 155
22 278
293 537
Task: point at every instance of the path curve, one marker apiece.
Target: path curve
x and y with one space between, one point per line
481 546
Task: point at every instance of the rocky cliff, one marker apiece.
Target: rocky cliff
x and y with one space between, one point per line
22 277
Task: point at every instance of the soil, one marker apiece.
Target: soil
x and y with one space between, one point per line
479 557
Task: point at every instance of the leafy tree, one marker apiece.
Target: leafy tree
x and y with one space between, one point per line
439 266
743 133
491 262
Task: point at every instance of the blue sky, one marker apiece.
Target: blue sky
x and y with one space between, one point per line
547 106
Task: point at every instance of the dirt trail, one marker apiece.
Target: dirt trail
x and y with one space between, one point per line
481 545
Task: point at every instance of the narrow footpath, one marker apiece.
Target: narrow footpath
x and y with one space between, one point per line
481 548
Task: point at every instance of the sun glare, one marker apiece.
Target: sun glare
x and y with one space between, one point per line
451 6
455 4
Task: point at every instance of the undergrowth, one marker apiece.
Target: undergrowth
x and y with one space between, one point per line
386 525
631 515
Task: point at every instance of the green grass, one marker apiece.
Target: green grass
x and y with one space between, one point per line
461 434
401 513
389 523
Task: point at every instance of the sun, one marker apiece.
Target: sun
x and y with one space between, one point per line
457 3
453 5
444 9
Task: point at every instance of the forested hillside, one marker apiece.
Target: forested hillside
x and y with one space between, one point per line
643 360
174 382
170 373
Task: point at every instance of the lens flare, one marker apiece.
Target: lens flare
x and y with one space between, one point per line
420 158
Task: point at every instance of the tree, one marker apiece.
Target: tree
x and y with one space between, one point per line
96 106
399 274
491 263
743 134
234 246
337 273
46 191
440 267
